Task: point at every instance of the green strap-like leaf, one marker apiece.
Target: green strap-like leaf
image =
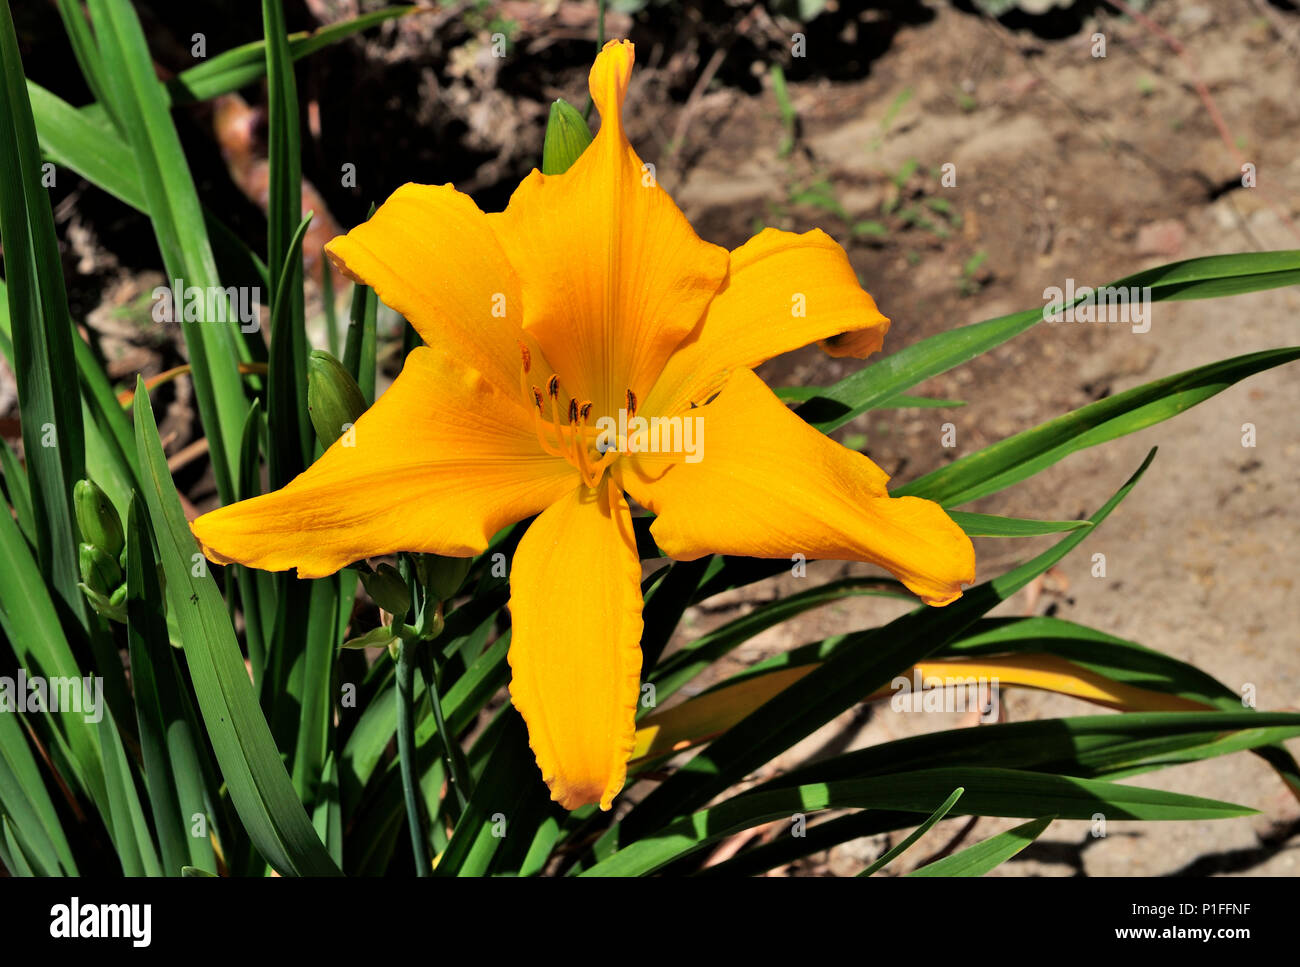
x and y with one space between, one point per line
96 152
25 800
84 49
509 786
173 777
990 525
801 394
255 776
15 857
85 142
359 345
1011 460
987 792
984 856
30 622
292 437
138 100
16 488
836 685
691 659
232 69
42 334
1098 746
910 840
1200 278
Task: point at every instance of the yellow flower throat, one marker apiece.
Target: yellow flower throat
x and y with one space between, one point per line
573 435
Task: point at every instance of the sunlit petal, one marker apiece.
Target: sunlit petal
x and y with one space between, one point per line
784 291
429 253
612 274
575 654
766 484
440 463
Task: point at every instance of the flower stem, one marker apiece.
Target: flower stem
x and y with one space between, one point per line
406 756
457 768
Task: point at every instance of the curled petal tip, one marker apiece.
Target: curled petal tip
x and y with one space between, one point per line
337 262
609 79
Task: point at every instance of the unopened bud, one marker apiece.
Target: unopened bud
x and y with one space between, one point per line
97 518
443 576
99 571
333 398
567 136
386 587
105 605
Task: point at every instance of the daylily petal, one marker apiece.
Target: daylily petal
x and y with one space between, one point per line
768 485
440 463
429 253
613 276
783 292
575 654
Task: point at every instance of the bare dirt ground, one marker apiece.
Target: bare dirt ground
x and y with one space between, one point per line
1067 165
1070 166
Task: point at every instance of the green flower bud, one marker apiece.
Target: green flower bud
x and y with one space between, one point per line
97 518
388 589
567 136
443 576
103 605
333 398
434 625
99 571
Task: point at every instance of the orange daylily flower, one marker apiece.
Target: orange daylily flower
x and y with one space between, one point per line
590 295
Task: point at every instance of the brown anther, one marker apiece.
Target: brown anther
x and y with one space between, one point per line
573 411
537 397
553 387
584 410
527 357
631 404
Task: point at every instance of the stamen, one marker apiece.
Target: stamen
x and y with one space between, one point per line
566 446
541 431
571 440
580 441
592 473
